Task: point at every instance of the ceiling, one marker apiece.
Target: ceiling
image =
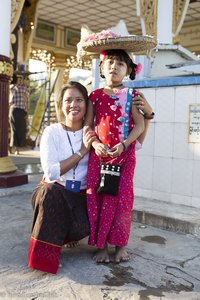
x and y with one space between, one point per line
97 14
100 14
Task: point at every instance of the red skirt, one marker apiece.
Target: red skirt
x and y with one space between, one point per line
59 216
110 216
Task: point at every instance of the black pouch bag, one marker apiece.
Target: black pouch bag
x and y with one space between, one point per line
109 179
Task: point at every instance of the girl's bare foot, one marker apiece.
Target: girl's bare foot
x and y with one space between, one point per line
102 256
121 255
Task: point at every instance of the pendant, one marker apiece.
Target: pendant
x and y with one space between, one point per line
113 97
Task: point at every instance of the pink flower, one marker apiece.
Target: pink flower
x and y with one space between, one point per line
138 68
113 107
102 56
104 34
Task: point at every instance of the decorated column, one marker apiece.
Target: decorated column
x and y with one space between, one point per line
9 176
162 19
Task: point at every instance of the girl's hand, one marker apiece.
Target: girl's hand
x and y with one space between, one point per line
141 103
100 149
116 150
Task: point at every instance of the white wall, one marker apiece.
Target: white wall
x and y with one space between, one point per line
168 167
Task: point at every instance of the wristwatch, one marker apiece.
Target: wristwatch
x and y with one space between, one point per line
149 116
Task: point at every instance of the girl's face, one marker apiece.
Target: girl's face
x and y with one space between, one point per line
73 105
114 70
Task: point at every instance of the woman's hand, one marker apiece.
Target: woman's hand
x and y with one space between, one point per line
89 136
145 108
141 103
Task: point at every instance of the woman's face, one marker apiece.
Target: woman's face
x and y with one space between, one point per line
73 105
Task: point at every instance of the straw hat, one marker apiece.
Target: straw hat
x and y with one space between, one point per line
132 43
116 37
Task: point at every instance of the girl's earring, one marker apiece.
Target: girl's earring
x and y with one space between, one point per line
126 77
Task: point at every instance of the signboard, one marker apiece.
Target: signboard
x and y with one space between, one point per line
194 123
72 37
45 31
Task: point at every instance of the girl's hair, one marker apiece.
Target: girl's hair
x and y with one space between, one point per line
120 55
70 85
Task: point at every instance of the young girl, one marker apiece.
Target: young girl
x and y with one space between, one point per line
118 125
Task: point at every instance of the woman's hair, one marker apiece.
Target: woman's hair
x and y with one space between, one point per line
120 55
70 85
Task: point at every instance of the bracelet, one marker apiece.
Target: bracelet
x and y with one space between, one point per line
149 116
124 146
79 154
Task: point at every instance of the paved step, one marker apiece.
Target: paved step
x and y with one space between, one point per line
169 216
160 214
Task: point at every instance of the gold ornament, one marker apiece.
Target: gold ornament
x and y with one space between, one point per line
6 68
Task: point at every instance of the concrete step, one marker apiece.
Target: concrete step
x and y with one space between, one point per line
165 215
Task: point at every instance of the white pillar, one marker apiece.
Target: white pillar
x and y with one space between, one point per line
164 22
5 17
95 73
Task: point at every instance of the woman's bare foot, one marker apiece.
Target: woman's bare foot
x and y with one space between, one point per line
121 255
102 256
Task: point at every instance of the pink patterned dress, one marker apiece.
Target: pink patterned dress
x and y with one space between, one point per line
110 216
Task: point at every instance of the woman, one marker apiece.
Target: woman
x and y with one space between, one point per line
19 95
64 157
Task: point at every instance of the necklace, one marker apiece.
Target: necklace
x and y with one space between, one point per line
67 129
114 85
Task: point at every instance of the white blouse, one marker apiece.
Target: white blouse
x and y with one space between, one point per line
55 147
138 146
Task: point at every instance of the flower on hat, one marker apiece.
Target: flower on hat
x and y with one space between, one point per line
104 34
138 68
